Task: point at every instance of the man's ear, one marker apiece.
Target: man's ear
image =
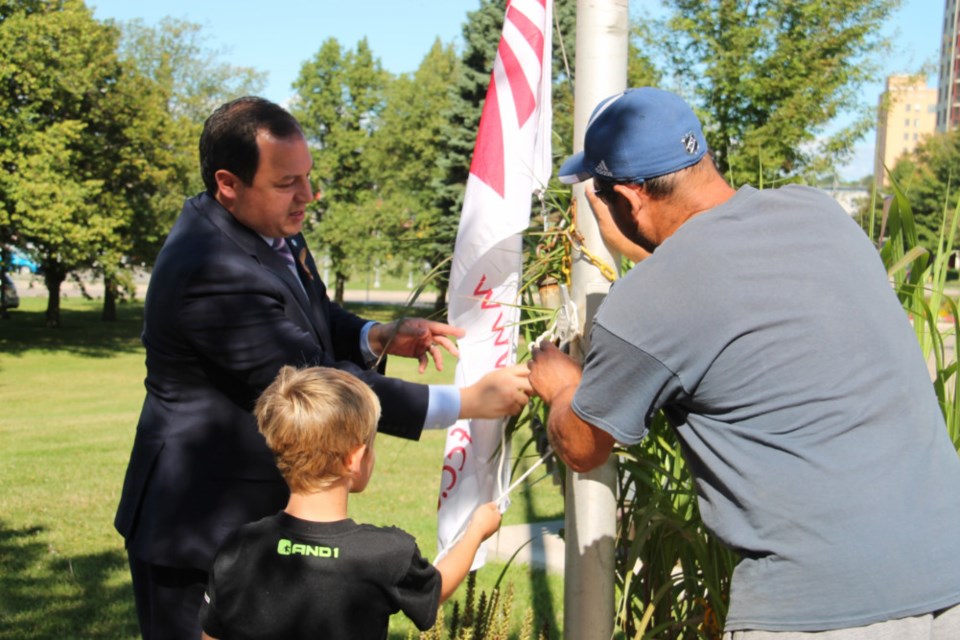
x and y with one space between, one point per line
634 193
227 185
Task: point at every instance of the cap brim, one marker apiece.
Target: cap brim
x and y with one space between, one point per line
573 170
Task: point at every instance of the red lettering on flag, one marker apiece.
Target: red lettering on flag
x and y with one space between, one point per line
499 329
486 293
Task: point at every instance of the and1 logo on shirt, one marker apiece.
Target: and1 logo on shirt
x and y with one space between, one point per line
287 548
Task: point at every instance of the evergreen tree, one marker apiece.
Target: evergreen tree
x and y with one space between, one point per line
481 35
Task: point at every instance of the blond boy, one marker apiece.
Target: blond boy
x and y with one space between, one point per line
310 571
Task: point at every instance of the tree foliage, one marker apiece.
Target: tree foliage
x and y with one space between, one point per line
175 54
339 101
57 80
183 81
772 76
407 146
98 148
481 35
929 177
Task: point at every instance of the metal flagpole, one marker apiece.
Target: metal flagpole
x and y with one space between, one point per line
590 518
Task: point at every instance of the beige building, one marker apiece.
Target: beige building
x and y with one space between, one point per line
907 114
948 96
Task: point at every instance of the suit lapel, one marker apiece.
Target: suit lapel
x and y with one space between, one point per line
309 297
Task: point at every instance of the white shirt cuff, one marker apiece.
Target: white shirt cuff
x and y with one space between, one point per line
368 354
443 406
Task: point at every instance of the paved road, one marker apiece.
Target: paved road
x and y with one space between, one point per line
32 286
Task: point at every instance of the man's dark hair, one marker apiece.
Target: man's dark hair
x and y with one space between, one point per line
229 138
663 187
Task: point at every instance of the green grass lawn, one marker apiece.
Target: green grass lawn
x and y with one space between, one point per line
69 401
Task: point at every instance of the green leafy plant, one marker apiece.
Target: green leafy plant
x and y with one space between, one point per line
919 279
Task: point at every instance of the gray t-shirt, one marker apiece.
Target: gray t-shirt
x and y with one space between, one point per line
767 330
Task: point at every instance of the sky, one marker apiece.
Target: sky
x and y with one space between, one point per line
279 35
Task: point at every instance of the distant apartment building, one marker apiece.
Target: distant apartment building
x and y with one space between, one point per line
906 115
948 96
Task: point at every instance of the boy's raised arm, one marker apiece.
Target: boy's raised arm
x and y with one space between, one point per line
454 566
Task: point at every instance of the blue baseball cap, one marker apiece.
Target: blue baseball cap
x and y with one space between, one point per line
637 135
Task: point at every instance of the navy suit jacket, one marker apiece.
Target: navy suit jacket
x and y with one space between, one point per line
223 314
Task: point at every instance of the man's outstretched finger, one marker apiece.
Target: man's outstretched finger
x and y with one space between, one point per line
437 354
447 344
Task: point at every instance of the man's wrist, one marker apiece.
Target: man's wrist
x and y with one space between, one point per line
566 391
370 354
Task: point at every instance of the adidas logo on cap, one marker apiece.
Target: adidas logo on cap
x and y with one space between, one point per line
601 169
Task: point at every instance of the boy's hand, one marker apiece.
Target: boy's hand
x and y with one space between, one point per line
485 520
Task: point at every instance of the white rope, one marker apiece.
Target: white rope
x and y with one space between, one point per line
565 323
525 475
498 501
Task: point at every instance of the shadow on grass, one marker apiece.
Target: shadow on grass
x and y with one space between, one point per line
81 330
46 595
544 616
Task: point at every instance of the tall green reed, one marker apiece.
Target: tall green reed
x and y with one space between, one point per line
920 281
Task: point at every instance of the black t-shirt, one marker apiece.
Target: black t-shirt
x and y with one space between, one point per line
283 577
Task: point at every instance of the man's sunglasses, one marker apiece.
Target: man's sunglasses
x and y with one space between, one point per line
603 190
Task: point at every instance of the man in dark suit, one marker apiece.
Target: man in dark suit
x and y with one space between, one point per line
226 309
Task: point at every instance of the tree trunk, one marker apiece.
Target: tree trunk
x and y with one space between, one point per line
53 280
341 283
4 314
441 302
109 312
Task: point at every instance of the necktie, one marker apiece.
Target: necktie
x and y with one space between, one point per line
283 250
281 247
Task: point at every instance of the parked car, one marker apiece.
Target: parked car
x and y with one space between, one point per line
20 262
11 300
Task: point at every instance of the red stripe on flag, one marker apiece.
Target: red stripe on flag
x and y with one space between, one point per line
523 98
487 163
531 32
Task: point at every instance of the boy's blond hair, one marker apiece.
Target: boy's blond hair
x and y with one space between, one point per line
313 419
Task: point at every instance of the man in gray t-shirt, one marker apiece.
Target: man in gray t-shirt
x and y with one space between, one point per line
764 325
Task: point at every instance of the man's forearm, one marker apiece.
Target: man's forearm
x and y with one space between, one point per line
578 443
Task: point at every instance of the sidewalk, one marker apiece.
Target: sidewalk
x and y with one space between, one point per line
537 544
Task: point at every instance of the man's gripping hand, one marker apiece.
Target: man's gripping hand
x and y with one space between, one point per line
552 371
502 392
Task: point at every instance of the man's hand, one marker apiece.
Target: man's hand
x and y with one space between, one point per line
502 392
552 371
415 338
555 376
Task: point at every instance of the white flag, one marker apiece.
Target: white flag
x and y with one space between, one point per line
510 160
